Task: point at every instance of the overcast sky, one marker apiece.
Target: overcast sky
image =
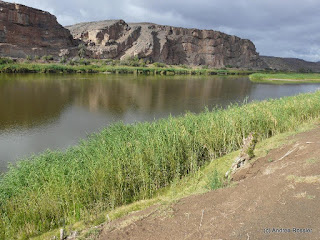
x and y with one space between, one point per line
284 28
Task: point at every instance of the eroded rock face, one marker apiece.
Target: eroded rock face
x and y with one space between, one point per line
28 31
171 45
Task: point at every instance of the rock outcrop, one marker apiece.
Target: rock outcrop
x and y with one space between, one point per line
171 45
28 31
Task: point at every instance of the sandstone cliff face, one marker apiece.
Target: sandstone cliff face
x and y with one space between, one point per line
28 31
171 45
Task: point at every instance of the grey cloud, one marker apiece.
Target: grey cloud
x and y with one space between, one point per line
285 28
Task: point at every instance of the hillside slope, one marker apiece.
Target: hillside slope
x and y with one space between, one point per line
291 64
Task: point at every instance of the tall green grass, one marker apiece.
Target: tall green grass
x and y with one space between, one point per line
126 163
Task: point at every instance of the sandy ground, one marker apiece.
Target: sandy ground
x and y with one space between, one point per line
275 197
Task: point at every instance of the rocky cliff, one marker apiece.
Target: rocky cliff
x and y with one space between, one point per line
171 45
28 31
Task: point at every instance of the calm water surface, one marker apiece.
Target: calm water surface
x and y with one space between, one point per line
39 111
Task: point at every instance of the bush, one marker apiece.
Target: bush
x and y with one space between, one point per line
183 66
115 62
159 65
205 67
71 63
47 58
63 60
84 62
82 50
215 181
108 62
133 62
4 60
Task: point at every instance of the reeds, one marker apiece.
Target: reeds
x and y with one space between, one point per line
126 163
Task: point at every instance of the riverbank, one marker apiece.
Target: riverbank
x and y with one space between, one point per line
126 163
112 67
281 181
285 78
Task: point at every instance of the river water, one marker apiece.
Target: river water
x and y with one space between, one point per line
39 111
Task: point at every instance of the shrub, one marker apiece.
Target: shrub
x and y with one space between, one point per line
63 60
183 66
84 62
4 60
82 50
215 181
47 58
71 63
108 62
159 65
133 62
205 67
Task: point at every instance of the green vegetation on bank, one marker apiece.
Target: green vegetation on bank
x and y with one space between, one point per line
285 77
208 178
126 163
129 66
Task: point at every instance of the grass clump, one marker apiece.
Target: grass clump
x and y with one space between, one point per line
126 163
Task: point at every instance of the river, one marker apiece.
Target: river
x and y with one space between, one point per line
55 111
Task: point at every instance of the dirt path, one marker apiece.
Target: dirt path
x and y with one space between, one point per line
274 197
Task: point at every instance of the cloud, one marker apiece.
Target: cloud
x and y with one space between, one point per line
286 28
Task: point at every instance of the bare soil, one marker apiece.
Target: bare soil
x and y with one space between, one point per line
273 197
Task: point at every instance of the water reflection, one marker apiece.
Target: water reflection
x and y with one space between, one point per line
39 111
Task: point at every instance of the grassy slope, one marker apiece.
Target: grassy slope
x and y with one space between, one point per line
196 183
286 77
124 164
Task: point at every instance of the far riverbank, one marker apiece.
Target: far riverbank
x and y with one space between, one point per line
285 78
109 66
